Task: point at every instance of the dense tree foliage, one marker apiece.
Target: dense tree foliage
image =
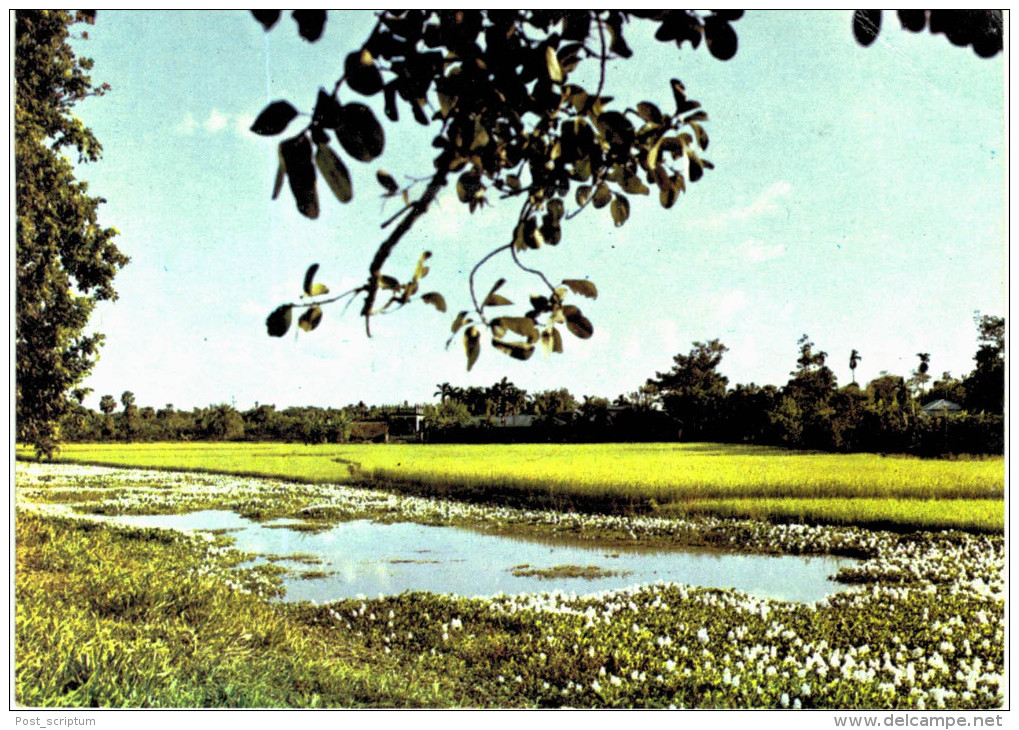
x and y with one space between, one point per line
503 91
985 386
981 29
691 401
66 261
512 120
693 389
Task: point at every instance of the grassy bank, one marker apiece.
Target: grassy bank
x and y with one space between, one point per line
112 617
116 617
672 479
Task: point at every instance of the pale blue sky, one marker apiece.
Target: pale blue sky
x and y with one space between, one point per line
858 196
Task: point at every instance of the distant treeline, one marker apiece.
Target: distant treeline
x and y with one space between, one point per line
692 402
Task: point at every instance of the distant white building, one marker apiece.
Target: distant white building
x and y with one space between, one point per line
522 420
941 407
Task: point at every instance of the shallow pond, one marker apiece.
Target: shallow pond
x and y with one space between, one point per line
369 558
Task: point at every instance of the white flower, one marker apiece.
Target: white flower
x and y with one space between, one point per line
784 699
702 636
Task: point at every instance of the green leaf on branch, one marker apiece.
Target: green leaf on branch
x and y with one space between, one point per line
472 346
702 136
421 271
386 180
361 74
335 173
555 71
678 92
296 154
435 299
696 168
496 300
281 173
268 18
620 210
360 132
635 186
583 287
327 111
523 326
310 23
721 38
602 196
866 26
274 118
496 286
649 112
309 277
278 322
668 194
577 323
310 319
460 321
552 340
516 350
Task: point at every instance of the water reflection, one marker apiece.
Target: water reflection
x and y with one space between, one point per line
368 558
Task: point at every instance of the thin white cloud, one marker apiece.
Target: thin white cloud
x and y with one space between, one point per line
765 203
730 304
757 251
217 120
187 125
768 202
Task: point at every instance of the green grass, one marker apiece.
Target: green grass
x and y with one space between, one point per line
587 572
863 489
119 617
145 618
973 515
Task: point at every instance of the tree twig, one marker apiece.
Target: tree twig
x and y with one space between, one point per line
537 273
330 300
396 215
604 57
418 208
470 280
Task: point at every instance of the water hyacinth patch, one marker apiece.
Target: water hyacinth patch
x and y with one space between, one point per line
922 626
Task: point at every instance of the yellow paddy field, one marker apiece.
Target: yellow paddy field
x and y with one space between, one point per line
668 479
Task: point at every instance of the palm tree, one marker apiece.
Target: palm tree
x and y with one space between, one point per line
107 404
854 360
925 361
445 390
921 375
